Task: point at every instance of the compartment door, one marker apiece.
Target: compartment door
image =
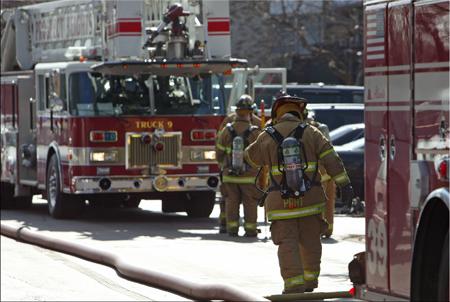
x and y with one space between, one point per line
26 152
376 146
399 145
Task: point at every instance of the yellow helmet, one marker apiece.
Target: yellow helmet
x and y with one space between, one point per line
285 99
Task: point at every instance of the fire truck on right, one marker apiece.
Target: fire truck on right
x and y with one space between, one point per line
406 152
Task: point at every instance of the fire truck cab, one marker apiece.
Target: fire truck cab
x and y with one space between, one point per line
407 149
112 102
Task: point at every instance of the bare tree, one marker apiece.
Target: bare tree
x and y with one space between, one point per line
325 32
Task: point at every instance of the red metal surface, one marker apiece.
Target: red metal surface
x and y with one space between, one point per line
400 125
125 26
411 122
431 33
218 25
432 46
81 126
75 132
376 168
375 39
6 105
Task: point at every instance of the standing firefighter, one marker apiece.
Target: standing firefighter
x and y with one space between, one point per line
254 120
296 200
238 177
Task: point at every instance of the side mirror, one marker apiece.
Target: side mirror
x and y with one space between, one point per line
56 104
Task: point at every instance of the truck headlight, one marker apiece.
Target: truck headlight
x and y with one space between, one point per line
209 155
103 156
202 155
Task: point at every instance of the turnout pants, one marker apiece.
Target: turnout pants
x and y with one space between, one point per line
222 215
299 251
249 196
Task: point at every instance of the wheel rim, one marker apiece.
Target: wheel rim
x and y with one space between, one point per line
52 187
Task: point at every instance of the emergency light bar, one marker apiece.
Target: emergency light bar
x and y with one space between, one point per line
203 135
97 136
167 68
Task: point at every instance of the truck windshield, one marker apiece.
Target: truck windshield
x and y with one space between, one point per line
93 94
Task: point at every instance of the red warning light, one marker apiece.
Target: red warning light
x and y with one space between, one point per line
352 291
159 146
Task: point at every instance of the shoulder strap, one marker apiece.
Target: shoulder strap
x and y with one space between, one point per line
298 131
230 128
247 133
274 134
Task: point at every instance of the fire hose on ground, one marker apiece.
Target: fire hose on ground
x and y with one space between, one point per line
173 284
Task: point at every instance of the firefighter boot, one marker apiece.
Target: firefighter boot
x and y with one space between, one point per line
233 228
294 290
250 229
328 231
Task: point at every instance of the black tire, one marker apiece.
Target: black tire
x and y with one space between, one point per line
442 291
60 205
131 203
6 195
200 204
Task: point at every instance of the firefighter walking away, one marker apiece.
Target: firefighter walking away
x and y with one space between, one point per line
238 177
254 120
295 199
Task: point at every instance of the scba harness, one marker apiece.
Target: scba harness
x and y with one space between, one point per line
239 143
292 163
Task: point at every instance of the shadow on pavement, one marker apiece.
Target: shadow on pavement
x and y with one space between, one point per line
106 224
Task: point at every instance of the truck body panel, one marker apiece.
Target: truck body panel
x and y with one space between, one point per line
407 137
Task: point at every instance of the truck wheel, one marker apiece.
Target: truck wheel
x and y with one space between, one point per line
60 205
6 195
442 293
200 204
132 202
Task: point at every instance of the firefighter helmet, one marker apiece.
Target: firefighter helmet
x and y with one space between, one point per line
282 99
245 102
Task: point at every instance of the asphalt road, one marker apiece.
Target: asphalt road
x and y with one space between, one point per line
170 243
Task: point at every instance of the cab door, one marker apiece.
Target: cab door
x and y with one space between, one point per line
399 138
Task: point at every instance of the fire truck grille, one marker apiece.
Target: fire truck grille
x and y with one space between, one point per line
142 154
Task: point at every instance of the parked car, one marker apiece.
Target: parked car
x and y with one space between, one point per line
346 134
336 115
314 93
352 154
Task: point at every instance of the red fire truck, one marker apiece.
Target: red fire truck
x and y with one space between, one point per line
112 101
406 152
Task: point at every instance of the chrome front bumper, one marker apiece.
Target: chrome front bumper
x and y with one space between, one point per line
128 184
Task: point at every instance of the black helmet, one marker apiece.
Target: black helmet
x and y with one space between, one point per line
245 102
283 98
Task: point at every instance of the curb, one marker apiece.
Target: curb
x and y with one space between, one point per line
170 283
